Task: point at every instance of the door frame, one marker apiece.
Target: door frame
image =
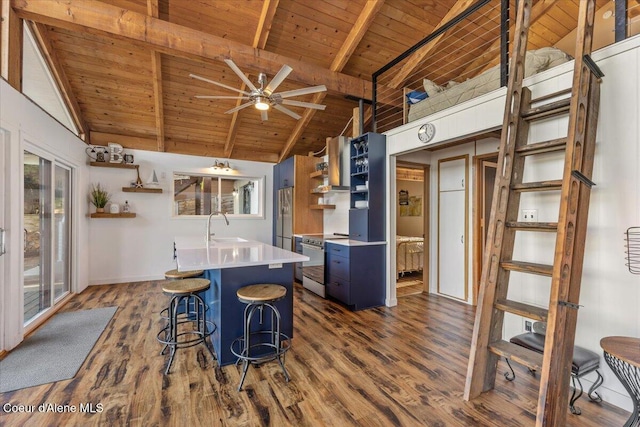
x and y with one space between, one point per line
478 194
426 217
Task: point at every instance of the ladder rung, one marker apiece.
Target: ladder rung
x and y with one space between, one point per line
522 309
547 110
528 267
533 226
538 186
551 95
542 147
519 354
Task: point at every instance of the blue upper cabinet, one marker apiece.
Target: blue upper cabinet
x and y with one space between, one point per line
367 213
283 174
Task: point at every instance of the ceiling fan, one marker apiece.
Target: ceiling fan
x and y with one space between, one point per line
264 97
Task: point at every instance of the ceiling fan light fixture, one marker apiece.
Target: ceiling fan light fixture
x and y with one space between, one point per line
261 104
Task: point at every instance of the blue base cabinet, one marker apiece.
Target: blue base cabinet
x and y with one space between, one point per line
227 312
355 275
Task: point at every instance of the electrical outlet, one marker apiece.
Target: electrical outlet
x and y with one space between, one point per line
530 215
527 325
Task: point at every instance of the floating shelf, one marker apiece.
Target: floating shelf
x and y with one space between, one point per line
141 190
110 215
322 207
114 165
319 174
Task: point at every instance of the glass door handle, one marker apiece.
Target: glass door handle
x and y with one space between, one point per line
3 249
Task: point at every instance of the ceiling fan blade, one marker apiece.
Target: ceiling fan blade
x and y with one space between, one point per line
277 79
219 97
287 111
240 74
264 116
303 104
193 76
240 107
303 91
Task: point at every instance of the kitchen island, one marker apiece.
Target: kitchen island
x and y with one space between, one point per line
229 264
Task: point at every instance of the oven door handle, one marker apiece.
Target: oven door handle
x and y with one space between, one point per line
312 247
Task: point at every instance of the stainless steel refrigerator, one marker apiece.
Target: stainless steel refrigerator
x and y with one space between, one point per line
284 219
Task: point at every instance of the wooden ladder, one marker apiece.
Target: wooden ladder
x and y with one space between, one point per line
487 344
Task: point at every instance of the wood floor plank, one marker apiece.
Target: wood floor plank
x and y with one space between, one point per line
400 366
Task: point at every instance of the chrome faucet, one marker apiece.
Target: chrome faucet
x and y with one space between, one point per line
208 236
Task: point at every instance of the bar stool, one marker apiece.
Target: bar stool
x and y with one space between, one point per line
180 275
264 345
174 337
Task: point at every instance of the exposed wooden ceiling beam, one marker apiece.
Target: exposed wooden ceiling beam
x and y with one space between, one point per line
418 56
260 41
489 57
153 10
364 21
11 46
41 34
181 41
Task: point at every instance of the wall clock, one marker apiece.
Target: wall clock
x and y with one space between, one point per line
426 132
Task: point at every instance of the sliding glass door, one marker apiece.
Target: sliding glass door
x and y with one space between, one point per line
46 234
61 231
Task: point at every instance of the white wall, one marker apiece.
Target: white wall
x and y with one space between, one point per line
409 225
610 295
141 248
32 128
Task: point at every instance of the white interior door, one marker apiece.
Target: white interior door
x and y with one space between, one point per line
452 227
451 245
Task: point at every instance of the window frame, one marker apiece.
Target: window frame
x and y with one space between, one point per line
260 187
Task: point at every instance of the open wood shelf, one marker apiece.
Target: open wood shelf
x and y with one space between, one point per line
114 165
141 190
319 174
110 215
322 207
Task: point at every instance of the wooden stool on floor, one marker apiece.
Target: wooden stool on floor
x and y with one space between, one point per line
179 275
261 345
171 335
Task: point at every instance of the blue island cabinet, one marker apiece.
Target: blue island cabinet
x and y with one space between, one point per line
355 275
227 312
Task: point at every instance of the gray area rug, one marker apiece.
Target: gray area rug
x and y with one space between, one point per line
56 351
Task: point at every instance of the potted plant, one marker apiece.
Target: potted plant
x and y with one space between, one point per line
99 197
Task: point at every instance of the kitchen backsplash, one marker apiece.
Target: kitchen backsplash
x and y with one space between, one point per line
337 220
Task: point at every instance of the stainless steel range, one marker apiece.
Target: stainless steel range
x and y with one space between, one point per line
313 270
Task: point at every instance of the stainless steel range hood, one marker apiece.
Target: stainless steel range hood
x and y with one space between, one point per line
339 154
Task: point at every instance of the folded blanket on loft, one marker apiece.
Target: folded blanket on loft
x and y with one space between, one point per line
454 93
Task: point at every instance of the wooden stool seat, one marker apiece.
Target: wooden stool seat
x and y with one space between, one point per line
175 274
261 293
186 286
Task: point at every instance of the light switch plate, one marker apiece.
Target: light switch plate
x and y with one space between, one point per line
530 215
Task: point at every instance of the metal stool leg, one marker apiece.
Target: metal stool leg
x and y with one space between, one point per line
173 330
575 395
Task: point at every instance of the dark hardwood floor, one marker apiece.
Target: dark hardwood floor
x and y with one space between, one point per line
400 366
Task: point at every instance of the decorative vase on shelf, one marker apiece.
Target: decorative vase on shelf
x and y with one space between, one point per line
100 210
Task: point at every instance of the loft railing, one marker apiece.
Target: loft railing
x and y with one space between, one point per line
468 45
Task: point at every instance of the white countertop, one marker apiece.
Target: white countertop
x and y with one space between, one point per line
351 242
194 254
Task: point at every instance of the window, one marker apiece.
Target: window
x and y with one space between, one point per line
195 194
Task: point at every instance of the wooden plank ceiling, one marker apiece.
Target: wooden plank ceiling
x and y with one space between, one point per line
126 64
